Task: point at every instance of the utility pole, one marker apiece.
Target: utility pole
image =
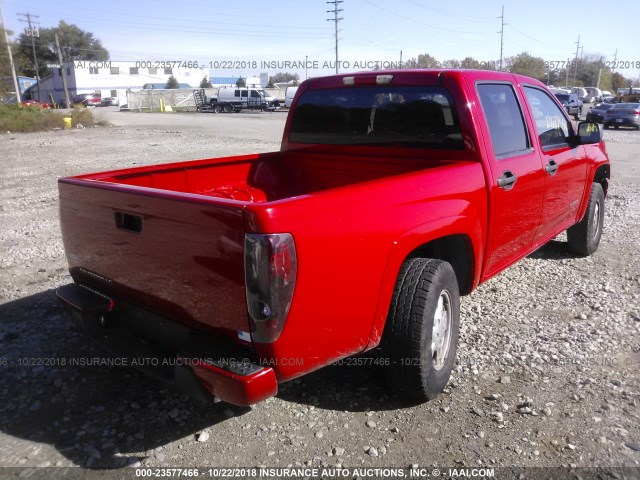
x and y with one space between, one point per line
33 33
13 67
575 67
400 58
615 59
335 19
502 24
64 74
599 74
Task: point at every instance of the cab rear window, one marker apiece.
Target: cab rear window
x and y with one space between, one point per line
415 117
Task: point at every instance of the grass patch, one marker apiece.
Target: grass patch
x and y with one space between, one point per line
16 118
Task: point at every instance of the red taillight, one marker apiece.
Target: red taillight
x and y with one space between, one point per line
270 263
634 112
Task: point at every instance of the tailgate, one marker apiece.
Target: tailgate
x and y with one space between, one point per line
178 255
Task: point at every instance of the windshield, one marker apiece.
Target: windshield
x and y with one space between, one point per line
562 97
420 117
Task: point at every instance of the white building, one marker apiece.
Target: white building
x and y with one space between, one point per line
113 79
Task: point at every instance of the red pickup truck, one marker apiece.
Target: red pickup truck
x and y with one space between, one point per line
393 194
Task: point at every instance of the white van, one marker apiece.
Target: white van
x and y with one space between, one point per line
289 93
236 99
594 94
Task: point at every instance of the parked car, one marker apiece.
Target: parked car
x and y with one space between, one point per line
109 102
289 93
571 104
581 93
87 99
391 195
608 99
34 103
594 94
623 115
596 114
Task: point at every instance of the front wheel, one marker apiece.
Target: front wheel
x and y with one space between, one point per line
421 333
584 237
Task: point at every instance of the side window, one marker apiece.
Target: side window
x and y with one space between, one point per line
236 93
244 94
504 118
553 127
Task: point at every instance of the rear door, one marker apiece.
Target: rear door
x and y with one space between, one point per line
517 180
564 164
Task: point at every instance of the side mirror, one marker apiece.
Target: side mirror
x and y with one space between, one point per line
589 132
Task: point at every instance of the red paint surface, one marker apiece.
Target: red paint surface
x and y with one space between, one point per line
355 214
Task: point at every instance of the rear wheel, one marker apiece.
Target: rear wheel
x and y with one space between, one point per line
227 108
217 109
584 237
421 334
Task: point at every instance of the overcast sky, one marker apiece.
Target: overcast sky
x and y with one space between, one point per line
227 33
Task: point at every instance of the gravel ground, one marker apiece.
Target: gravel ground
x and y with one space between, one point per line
547 373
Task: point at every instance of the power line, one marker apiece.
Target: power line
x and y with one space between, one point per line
502 24
575 70
33 33
336 20
422 24
11 64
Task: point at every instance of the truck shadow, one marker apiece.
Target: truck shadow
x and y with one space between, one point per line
553 250
354 387
57 391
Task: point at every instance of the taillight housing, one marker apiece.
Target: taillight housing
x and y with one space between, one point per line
270 269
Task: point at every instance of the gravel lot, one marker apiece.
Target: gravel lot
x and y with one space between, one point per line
547 374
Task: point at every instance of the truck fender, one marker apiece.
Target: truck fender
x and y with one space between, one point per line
469 228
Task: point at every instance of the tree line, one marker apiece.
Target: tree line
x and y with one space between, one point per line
584 72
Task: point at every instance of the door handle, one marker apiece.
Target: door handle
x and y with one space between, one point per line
552 167
507 180
129 222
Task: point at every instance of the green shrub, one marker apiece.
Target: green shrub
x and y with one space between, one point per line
15 118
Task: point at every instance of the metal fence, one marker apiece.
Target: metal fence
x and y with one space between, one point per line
150 99
181 98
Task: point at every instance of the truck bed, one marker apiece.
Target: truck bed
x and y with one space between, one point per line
169 238
261 177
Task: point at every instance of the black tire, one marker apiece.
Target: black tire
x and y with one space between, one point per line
426 293
584 237
217 109
226 108
576 117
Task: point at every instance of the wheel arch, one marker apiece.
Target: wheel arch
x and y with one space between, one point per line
602 175
459 243
457 250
